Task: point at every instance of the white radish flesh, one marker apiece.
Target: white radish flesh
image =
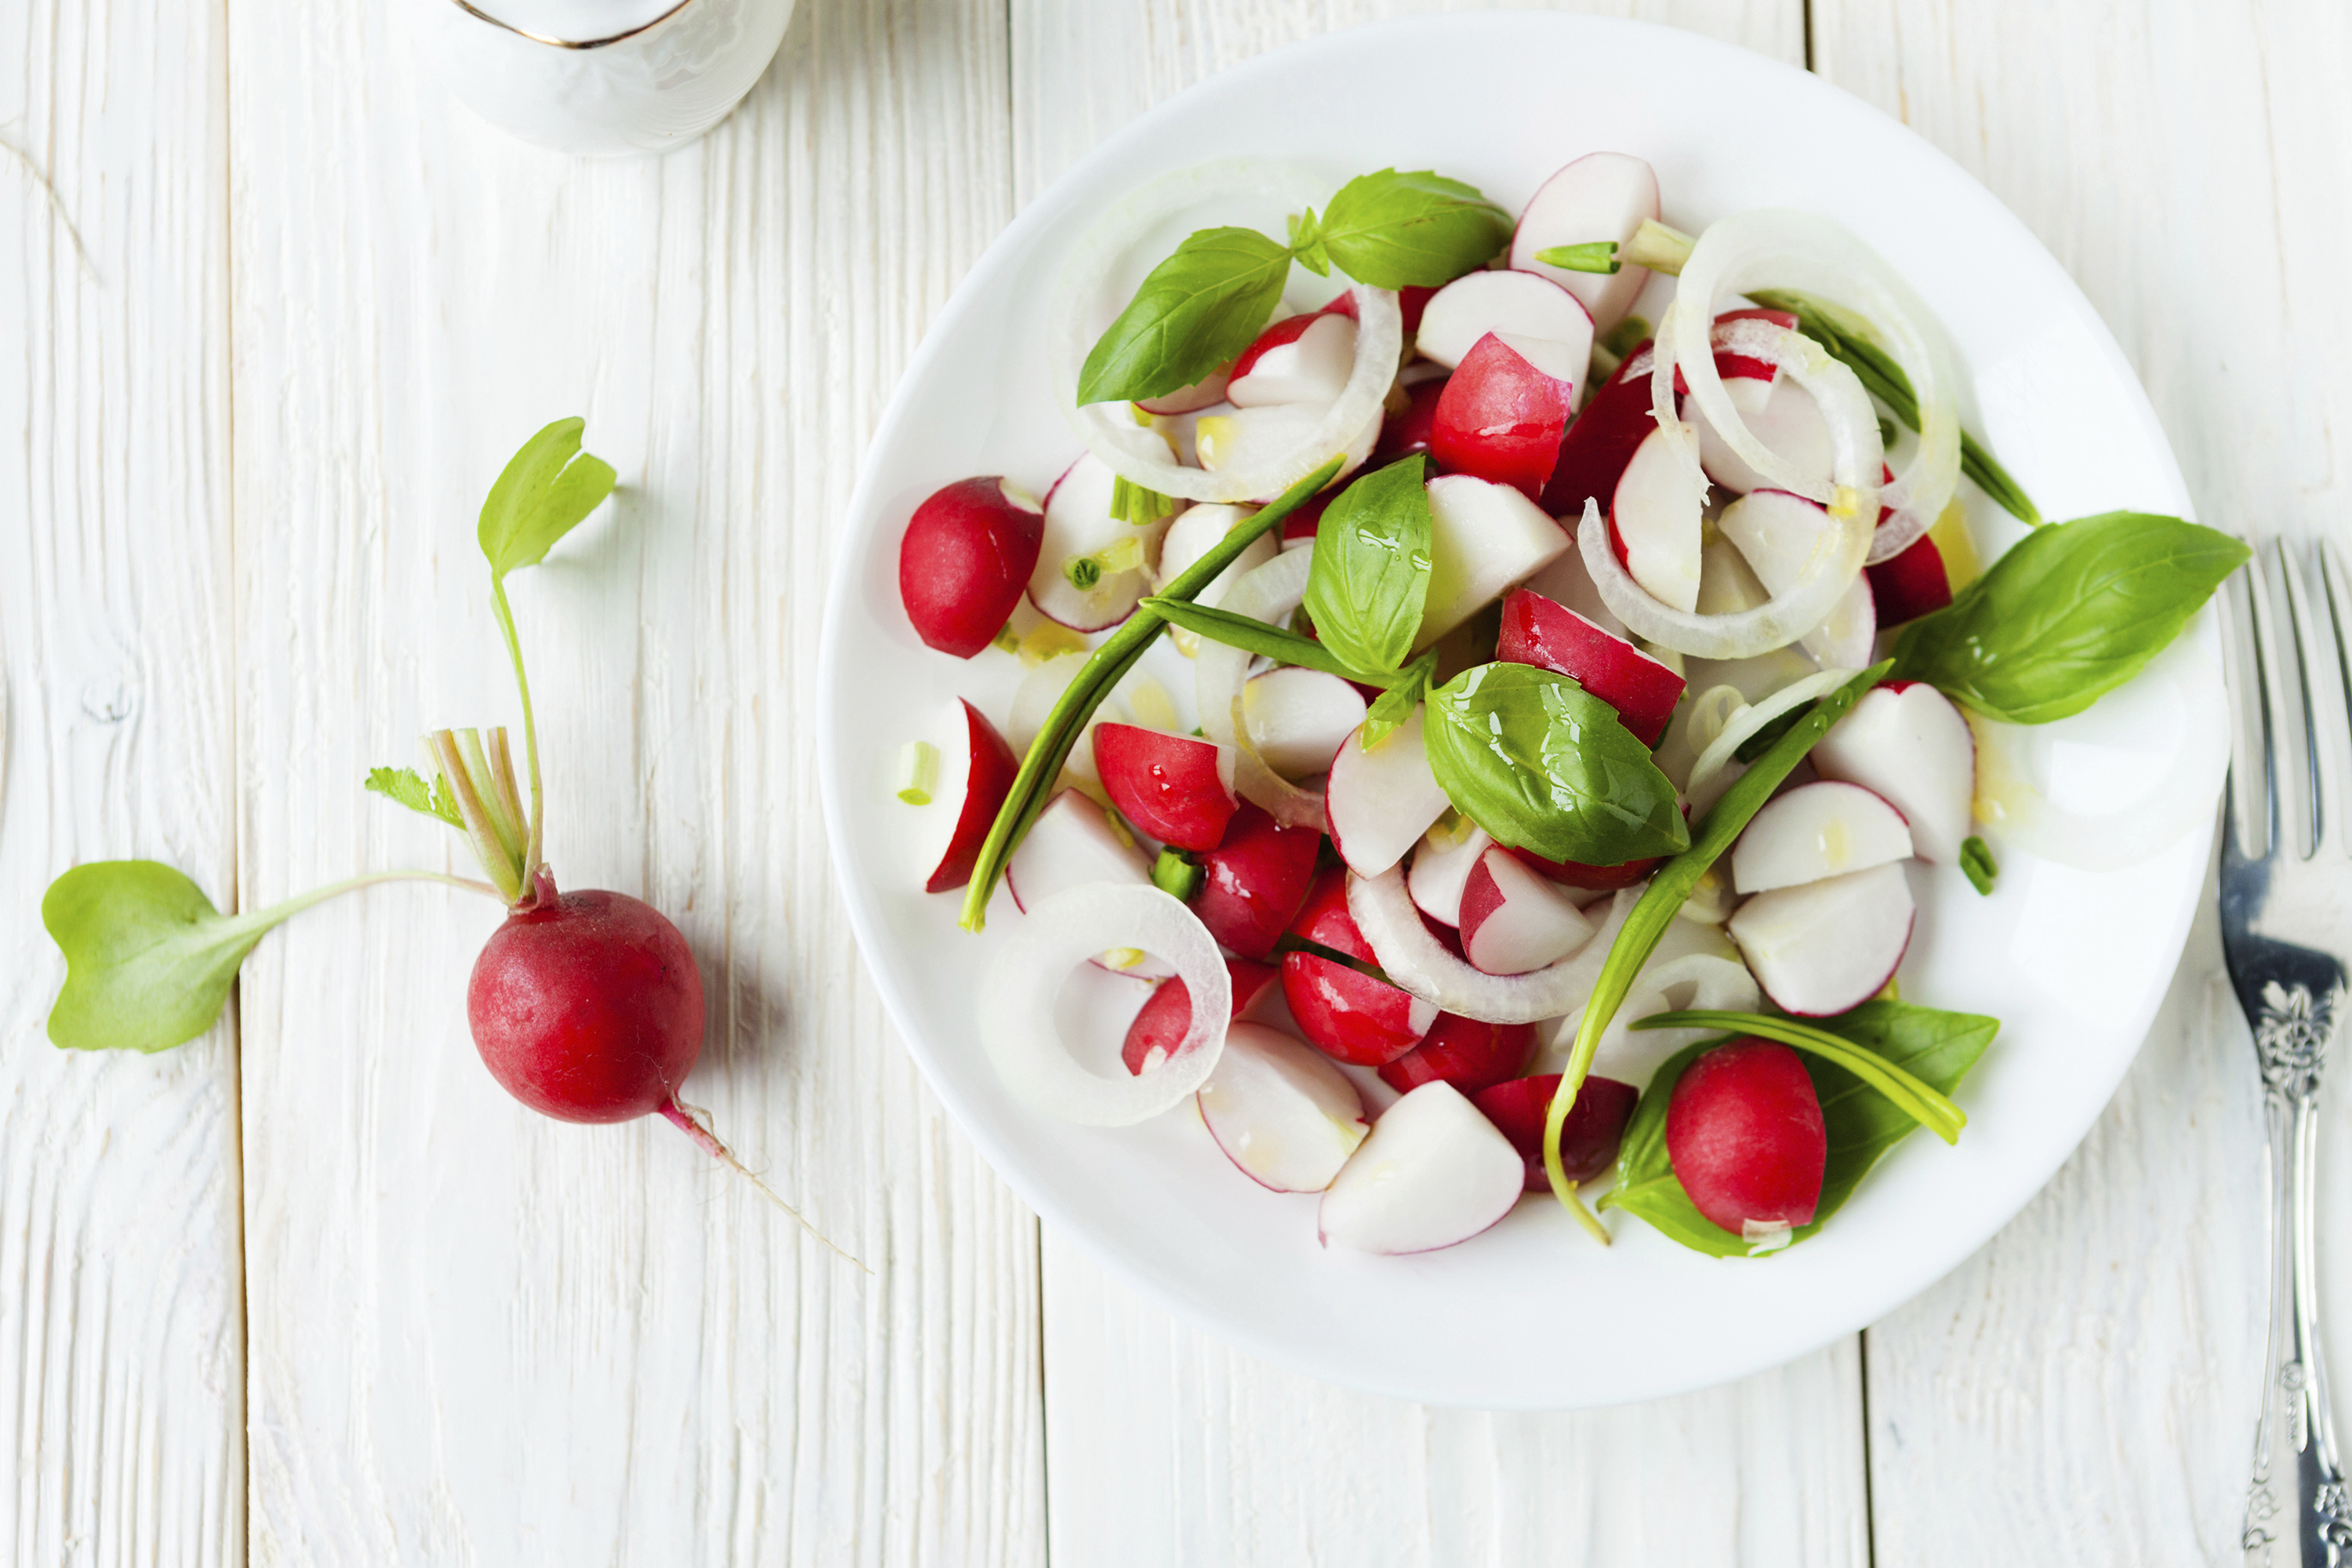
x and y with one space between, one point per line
1817 831
1033 704
1519 303
1200 529
1298 718
1312 368
1912 746
1434 1172
1601 196
1824 947
1651 515
1777 533
1515 921
1284 1114
1441 864
1485 539
1079 526
1780 414
1379 802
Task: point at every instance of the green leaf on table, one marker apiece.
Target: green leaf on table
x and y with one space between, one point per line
1193 316
2072 610
544 492
1369 580
1417 230
1542 764
409 789
1395 705
1936 1046
149 961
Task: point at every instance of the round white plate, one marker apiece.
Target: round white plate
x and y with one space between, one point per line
1532 1314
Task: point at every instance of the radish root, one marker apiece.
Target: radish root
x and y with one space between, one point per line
694 1121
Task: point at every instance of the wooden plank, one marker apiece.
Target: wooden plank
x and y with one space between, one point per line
477 1335
2090 1377
1166 1447
121 1347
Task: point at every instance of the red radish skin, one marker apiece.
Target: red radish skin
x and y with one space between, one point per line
965 561
1593 454
1256 880
988 782
1912 585
1177 788
1502 415
1408 432
1745 1134
1302 524
1467 1053
1348 1015
1167 1013
1729 365
1307 359
1588 1138
1591 878
1538 632
1323 918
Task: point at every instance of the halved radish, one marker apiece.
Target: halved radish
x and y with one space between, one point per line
1252 883
1167 1013
1467 1053
1405 430
1349 1015
1177 788
1778 533
1205 392
1824 947
1615 423
964 560
1284 1115
1504 408
1588 1138
1655 528
1567 584
1442 862
1380 801
1298 718
1538 632
1434 1172
1306 359
1485 539
1514 922
1084 544
1198 529
1910 585
1600 196
1521 303
1250 440
1744 1135
1814 831
974 778
1907 743
1783 417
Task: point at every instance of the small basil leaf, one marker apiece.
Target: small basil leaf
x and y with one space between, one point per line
1371 576
1395 705
542 495
2072 612
1411 230
1543 764
149 961
1193 316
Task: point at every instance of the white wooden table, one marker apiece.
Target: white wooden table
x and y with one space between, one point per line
313 1290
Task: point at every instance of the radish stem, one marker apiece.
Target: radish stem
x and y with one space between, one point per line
690 1120
530 728
496 861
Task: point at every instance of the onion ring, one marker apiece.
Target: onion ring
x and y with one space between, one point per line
1267 593
1707 781
1717 984
1384 911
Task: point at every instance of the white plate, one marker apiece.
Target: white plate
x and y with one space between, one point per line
1532 1314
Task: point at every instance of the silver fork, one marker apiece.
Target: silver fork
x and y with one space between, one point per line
2286 925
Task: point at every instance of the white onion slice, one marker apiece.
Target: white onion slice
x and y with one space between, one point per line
1707 779
1054 937
1384 911
1083 308
1805 604
1783 250
1269 593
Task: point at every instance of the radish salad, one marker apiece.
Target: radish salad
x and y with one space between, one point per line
1572 700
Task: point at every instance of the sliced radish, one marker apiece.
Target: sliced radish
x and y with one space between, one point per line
1824 947
1519 303
1177 788
1434 1172
1744 1135
1442 862
976 773
1815 831
964 560
1249 440
1601 196
1409 955
1588 1138
1781 415
1777 533
1403 432
1306 359
1200 529
1912 585
1538 632
1349 1015
1656 532
1909 745
1080 528
1468 1053
1515 921
1380 801
1284 1115
1159 1026
1505 409
1298 718
1252 883
1485 539
1615 421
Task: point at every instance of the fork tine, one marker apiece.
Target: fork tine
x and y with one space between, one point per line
2262 809
2302 760
2336 590
2241 824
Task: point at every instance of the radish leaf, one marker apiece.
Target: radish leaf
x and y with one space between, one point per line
544 492
149 960
405 785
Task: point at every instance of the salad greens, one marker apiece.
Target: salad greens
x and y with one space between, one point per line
1395 705
1370 576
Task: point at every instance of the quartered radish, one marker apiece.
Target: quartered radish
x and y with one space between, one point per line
1380 801
1442 862
1906 742
1817 830
1513 921
1177 788
1254 882
1615 422
1195 532
1588 1139
1778 533
976 772
1305 359
1485 539
1298 718
1601 196
1910 585
1567 584
1404 430
1467 1053
1411 956
1655 528
1821 948
1538 632
1519 303
1161 1024
1434 1172
1504 408
1745 1137
1091 566
1284 1115
965 559
1352 1017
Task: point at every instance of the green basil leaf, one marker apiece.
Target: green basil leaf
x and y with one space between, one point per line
1543 764
542 495
1370 577
1194 314
2073 611
1935 1047
1394 706
1411 231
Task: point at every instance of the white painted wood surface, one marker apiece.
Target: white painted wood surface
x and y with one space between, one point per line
237 569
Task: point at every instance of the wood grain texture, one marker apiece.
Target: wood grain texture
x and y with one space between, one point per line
121 1341
479 1336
